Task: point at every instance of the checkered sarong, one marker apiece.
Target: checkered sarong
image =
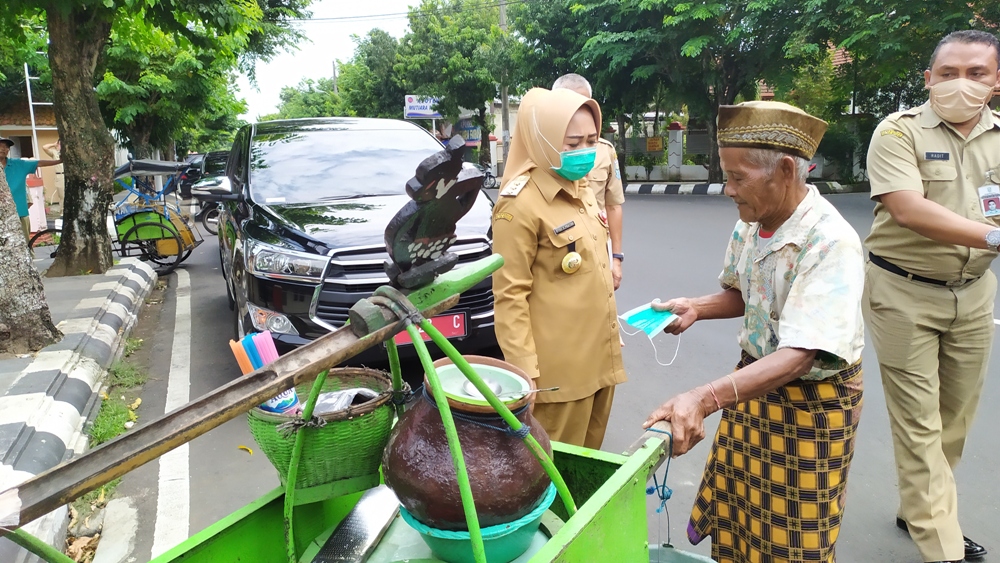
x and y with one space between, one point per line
775 481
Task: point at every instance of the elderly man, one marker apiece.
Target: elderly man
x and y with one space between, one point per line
16 171
773 487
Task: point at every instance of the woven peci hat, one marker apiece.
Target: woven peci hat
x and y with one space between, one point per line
770 125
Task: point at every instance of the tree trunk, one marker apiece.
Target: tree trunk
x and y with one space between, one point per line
76 37
25 322
714 165
484 140
622 147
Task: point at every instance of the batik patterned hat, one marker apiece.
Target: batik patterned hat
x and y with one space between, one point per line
770 125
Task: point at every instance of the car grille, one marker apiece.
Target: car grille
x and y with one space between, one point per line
355 273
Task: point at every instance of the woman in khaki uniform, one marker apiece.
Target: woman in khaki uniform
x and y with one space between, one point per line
555 306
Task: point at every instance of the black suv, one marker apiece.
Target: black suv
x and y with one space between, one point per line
302 237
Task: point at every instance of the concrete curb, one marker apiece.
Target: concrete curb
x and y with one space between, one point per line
716 189
43 414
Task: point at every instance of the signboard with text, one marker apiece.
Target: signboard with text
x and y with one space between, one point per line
415 107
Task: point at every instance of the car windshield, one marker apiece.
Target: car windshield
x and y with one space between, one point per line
314 165
216 165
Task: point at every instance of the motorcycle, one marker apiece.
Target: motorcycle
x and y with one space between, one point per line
209 211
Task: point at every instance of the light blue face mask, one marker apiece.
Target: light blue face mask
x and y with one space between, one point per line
577 163
652 322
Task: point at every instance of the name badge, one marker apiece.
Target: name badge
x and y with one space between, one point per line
937 156
564 227
989 200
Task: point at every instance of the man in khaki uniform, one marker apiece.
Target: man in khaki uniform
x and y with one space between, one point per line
554 296
605 180
929 291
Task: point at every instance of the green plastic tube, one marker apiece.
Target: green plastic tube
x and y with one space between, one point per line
464 487
36 546
540 454
293 467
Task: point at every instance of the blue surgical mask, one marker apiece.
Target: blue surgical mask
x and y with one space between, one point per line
652 322
577 163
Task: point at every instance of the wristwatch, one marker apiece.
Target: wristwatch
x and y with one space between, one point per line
993 240
621 257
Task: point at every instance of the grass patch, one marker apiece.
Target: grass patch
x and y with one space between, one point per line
110 421
125 375
97 498
131 345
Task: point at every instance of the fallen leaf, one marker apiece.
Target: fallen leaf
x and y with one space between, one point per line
246 449
132 417
136 404
82 548
105 396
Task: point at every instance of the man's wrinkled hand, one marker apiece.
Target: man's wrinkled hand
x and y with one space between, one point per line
687 420
683 308
616 273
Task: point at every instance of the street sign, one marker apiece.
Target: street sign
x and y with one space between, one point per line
415 107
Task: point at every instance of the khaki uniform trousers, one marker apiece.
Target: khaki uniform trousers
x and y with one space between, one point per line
933 345
581 423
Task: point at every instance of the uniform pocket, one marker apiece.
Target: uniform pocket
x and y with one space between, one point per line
570 240
937 171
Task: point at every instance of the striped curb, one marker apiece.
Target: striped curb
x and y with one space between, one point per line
717 189
42 414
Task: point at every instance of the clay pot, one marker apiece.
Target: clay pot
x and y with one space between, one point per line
507 481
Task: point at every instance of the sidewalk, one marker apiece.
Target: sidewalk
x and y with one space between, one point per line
46 399
661 188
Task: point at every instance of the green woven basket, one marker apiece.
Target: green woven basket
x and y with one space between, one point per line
351 443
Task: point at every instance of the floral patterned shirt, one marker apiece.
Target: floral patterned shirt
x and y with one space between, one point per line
803 288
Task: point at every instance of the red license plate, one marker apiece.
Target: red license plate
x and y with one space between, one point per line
451 326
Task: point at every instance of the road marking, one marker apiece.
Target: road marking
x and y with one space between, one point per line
173 498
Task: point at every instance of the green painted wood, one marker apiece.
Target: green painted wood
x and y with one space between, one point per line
611 525
340 488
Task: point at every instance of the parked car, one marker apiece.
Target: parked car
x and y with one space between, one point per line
214 165
301 237
191 174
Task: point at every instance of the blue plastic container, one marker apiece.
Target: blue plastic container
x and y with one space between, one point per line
503 542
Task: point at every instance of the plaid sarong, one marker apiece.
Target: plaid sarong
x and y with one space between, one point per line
774 485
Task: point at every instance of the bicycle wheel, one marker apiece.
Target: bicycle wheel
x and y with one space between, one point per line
210 220
158 243
46 240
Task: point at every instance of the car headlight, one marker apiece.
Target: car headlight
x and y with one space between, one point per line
281 263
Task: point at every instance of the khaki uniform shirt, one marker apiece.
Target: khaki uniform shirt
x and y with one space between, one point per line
559 328
606 178
915 150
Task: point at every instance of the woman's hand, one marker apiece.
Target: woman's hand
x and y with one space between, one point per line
686 415
683 308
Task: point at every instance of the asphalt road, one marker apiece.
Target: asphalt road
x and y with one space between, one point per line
674 247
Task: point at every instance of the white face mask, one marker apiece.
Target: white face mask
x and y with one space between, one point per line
959 100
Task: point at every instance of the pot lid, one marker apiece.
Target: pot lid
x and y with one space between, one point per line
508 385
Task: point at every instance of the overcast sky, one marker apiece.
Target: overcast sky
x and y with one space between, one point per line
327 40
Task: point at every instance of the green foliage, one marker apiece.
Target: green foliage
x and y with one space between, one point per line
110 421
450 53
309 99
369 84
124 374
